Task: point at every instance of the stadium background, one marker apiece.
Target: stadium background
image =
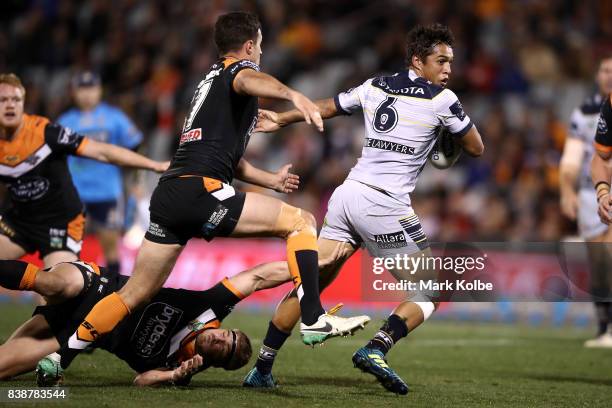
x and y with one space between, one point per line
520 67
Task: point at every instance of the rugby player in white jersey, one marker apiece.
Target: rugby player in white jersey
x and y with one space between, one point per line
403 114
579 200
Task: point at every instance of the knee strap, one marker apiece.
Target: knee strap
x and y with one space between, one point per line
427 308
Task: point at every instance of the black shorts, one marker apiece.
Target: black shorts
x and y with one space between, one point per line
64 318
193 207
57 235
105 214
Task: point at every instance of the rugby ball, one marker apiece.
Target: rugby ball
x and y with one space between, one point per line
446 151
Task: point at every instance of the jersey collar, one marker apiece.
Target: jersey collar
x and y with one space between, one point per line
412 75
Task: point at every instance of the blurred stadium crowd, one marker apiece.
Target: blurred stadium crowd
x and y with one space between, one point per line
520 68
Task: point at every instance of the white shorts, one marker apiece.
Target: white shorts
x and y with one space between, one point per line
589 224
360 214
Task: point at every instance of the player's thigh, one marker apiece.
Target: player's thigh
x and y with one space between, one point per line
62 282
332 256
154 264
268 216
36 327
56 257
9 249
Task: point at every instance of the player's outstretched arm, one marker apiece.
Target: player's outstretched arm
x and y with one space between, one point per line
120 156
569 168
254 83
601 173
179 376
269 121
471 143
282 181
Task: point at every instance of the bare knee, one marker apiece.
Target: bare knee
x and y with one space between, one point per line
309 219
63 281
293 220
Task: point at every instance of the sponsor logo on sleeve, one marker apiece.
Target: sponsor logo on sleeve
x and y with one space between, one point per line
67 136
244 64
602 125
457 110
191 136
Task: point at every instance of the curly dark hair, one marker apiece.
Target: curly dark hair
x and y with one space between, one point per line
423 39
234 29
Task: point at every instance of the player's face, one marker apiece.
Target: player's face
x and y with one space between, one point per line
216 345
437 66
87 97
604 76
11 106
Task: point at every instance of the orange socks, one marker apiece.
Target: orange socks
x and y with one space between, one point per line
17 275
103 318
27 282
299 242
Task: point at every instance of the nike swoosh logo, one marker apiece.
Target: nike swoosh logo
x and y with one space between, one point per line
326 329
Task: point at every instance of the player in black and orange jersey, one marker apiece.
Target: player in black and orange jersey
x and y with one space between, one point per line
175 335
45 212
601 173
195 199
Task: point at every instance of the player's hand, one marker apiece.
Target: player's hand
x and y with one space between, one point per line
311 112
267 121
286 182
569 205
187 369
160 167
604 209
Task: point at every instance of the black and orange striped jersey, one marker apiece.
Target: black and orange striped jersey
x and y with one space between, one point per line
34 167
603 137
218 125
160 334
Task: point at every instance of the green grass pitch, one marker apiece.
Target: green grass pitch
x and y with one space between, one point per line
445 364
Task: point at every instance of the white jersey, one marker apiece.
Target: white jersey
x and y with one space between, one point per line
403 114
583 126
